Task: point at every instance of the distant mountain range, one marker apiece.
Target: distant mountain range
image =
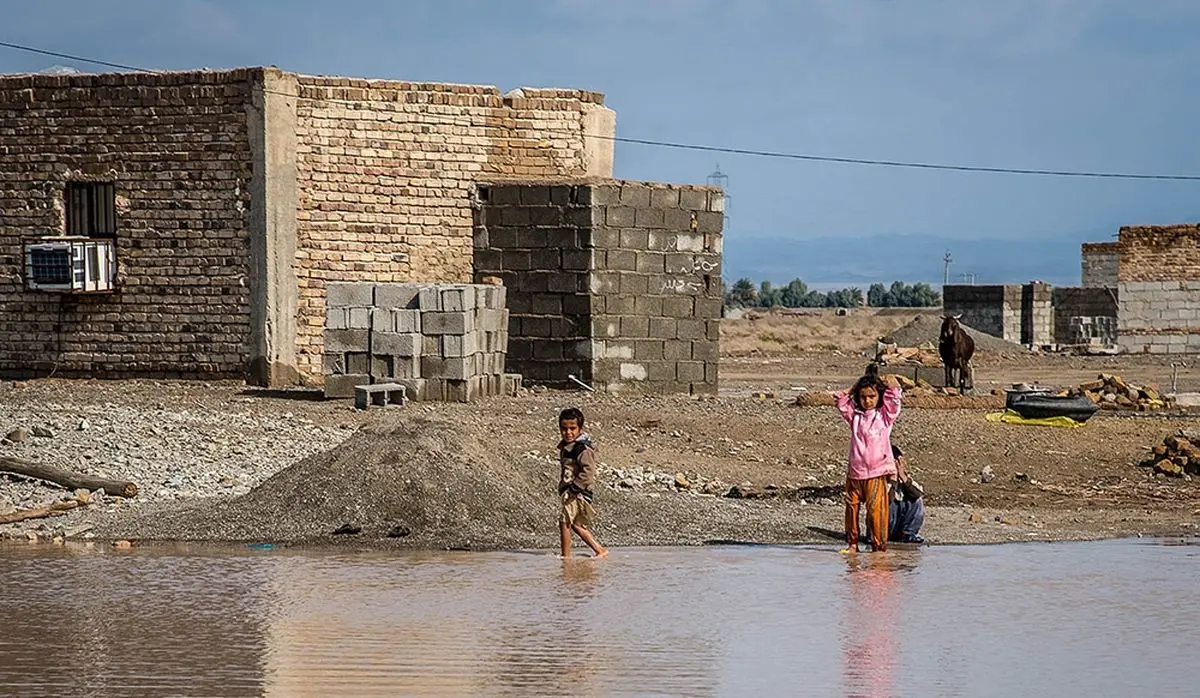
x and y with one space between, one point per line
830 262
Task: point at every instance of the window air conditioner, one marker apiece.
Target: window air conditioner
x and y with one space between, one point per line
70 265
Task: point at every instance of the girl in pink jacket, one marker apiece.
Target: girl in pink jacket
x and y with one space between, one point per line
870 408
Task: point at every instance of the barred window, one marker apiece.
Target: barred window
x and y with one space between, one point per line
92 209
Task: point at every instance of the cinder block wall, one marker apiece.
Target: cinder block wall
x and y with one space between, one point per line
994 309
618 283
1098 262
1085 315
1159 289
1037 315
178 148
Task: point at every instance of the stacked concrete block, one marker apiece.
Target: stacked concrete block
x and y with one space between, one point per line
1085 316
615 283
443 342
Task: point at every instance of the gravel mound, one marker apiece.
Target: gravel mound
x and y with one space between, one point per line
431 483
925 328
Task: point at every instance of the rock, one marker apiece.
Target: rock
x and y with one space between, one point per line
681 482
83 425
399 531
76 531
18 435
974 518
122 544
42 432
1021 477
986 475
349 529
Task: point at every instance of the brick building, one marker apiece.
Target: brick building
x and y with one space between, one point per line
232 198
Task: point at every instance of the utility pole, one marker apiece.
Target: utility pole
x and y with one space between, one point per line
946 269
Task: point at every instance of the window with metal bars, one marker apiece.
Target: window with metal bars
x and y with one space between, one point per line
92 209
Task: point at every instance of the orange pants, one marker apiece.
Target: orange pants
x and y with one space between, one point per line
874 493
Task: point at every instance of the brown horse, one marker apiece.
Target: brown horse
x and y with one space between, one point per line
956 349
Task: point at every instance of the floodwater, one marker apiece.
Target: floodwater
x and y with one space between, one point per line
1115 618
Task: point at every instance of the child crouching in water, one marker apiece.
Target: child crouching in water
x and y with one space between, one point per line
578 458
870 408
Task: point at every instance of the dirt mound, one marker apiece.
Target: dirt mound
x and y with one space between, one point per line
925 328
430 480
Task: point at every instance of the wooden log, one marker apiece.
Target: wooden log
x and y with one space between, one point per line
54 509
66 478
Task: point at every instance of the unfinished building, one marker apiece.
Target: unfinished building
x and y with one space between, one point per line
189 224
1140 294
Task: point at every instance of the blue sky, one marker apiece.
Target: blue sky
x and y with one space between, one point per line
1060 84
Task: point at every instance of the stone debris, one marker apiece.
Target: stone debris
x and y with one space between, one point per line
1177 456
1112 392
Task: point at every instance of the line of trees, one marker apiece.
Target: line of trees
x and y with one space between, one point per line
796 294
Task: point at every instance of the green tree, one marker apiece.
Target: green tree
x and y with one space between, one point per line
768 296
792 295
742 294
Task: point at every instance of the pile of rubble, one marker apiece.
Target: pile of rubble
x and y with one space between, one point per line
1178 455
638 477
895 355
1113 393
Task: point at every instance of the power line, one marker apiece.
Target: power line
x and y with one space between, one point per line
69 57
740 151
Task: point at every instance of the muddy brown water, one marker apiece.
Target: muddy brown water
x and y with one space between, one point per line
1114 618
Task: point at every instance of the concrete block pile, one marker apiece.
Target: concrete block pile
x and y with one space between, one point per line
443 342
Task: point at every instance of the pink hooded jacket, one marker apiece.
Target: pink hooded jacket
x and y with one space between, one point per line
871 435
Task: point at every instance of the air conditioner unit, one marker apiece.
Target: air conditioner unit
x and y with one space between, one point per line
70 265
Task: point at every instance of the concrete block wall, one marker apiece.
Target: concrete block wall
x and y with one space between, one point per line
1037 315
994 309
1085 315
1098 264
617 283
178 149
1159 289
444 342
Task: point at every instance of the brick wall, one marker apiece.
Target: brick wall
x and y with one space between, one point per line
1098 261
617 283
386 172
1159 289
177 148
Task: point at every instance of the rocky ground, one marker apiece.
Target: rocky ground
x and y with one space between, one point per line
223 462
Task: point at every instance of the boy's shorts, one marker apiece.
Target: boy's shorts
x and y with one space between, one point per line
577 511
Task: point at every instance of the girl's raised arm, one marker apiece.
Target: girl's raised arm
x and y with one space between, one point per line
891 401
845 405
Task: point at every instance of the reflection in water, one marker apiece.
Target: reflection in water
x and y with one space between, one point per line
869 635
1001 620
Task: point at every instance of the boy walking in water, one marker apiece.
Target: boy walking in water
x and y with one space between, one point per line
577 456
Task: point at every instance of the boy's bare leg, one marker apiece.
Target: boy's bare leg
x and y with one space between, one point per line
564 531
586 535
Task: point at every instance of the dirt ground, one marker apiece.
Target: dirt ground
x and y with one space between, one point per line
1045 483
